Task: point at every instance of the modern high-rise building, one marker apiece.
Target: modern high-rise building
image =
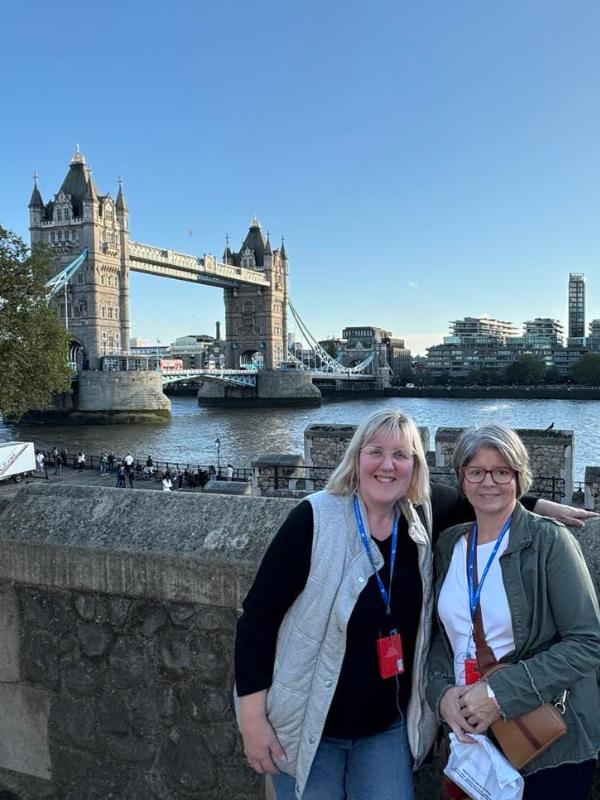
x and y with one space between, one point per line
543 332
576 305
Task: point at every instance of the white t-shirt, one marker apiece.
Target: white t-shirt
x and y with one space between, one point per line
454 611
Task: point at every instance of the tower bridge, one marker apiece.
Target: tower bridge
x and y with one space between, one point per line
94 303
88 233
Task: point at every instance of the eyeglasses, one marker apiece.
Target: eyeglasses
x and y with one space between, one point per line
499 474
378 454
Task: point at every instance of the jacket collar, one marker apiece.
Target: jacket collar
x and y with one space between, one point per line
520 532
519 538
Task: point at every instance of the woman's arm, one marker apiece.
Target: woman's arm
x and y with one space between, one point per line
281 577
568 515
444 698
571 596
450 507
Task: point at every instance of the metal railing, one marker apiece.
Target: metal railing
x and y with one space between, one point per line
157 471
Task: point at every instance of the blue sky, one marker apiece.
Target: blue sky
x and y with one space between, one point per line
424 160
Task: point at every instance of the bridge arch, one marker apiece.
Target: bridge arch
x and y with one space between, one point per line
252 359
78 357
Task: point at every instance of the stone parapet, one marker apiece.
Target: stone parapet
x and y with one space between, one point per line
592 488
273 472
117 616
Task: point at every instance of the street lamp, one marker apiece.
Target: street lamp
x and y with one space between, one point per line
218 443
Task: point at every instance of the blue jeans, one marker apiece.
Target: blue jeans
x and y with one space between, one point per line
375 767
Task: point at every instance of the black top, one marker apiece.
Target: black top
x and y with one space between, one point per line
363 703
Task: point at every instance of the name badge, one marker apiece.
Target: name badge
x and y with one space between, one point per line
389 654
472 674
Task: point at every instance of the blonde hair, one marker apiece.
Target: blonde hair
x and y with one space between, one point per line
505 441
345 478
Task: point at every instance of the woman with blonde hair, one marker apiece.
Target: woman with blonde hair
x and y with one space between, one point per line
332 641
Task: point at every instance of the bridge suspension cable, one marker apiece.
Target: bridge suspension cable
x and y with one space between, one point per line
60 280
328 363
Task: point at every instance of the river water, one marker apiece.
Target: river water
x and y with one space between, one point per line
190 435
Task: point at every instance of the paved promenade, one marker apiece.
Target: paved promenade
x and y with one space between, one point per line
86 477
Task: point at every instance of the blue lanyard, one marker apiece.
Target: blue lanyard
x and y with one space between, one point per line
385 595
475 594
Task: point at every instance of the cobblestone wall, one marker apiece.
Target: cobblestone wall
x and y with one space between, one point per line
117 618
140 695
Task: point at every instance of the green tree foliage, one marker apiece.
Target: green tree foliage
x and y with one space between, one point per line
553 376
586 370
527 369
33 341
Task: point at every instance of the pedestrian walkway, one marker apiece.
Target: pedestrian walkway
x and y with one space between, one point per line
86 477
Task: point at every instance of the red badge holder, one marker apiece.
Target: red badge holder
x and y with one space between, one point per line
472 674
389 653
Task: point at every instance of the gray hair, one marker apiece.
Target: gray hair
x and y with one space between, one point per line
344 479
505 441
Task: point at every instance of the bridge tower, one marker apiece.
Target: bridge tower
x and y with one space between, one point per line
95 306
255 317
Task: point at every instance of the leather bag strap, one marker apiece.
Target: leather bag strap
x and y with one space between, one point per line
483 652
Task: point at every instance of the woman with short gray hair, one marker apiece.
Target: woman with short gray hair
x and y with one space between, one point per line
513 588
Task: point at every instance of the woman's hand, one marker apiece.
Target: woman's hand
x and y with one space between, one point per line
568 515
260 741
479 709
452 711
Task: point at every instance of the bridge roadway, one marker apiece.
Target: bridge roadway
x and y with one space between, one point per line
246 377
207 270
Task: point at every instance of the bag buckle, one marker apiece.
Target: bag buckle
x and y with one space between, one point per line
559 705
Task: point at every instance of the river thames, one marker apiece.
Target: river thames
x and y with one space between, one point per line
189 437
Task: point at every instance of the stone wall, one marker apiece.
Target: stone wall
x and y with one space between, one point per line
550 454
592 488
117 618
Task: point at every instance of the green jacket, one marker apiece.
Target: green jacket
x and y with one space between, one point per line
556 629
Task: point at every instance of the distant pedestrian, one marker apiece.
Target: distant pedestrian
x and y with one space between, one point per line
179 479
131 477
121 476
229 472
111 461
149 462
212 472
80 461
55 454
58 464
104 463
128 461
167 485
39 461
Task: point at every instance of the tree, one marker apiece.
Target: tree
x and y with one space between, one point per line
526 369
33 341
586 369
553 376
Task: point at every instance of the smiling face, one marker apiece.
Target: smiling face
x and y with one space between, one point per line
385 470
488 497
